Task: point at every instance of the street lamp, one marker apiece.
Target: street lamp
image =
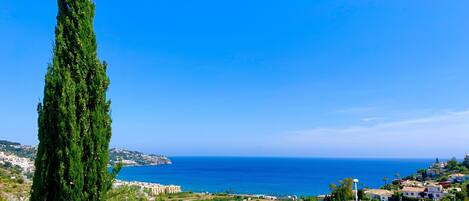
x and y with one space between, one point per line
355 181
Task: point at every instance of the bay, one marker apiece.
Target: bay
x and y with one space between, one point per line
271 176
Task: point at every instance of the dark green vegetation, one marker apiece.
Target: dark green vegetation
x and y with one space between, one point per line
74 121
342 191
399 197
455 166
126 193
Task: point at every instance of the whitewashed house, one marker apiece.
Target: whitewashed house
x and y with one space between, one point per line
434 192
379 194
413 192
458 177
433 172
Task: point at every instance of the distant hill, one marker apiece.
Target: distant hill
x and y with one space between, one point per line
18 149
128 158
136 158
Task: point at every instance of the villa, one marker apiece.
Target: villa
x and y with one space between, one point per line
440 165
434 191
411 183
434 172
458 178
413 192
379 194
155 189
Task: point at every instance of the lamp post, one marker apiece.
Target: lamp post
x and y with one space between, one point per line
355 182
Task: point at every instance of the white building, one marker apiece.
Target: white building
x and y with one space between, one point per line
154 188
26 164
413 192
440 165
433 172
434 192
431 190
411 183
458 177
379 194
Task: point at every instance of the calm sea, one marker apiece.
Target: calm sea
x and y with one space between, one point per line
271 176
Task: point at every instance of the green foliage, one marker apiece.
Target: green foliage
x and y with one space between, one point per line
455 166
12 184
112 176
9 166
459 196
423 174
466 161
343 191
309 199
126 193
399 197
237 198
466 185
361 195
447 198
452 164
74 122
442 178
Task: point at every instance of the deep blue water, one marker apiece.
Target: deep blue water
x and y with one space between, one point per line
272 176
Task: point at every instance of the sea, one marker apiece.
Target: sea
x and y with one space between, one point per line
271 176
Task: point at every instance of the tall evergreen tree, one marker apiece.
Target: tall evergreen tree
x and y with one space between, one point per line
74 121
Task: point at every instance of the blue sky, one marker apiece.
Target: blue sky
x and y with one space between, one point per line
260 78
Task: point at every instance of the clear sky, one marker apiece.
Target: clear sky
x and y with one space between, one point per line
309 78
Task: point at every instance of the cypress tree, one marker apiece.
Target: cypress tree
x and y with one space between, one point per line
74 125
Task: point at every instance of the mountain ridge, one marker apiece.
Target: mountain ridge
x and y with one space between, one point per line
11 152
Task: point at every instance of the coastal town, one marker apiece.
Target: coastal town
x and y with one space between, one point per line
151 188
26 165
443 180
446 180
17 169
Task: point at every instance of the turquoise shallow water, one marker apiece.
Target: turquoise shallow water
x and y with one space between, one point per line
272 176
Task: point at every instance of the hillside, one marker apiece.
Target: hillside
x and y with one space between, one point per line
136 158
23 156
13 185
17 149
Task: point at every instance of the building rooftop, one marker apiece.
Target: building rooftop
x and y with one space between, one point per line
381 192
413 189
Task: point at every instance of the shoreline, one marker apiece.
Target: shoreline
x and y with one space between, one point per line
159 188
289 177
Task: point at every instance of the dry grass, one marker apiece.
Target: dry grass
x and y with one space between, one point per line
13 186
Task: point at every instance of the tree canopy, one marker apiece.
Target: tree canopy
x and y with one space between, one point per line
74 124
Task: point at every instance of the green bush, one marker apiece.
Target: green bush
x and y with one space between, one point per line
126 193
